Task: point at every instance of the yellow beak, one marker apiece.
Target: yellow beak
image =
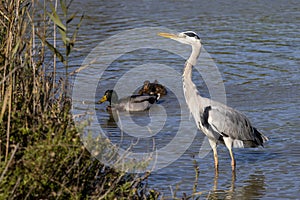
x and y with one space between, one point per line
167 35
103 99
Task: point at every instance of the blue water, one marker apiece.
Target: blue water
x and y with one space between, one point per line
255 46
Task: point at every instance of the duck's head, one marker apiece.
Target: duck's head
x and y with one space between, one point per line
146 85
110 96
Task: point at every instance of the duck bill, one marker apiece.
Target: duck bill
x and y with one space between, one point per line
103 99
168 35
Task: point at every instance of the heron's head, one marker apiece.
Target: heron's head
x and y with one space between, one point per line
187 37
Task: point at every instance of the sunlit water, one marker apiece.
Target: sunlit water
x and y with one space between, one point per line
255 46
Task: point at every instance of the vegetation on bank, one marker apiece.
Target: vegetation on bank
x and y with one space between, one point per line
41 155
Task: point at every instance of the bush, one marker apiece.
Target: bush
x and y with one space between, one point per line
41 155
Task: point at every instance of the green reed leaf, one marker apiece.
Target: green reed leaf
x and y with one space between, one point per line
63 7
55 18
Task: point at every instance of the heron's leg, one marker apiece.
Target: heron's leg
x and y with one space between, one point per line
229 143
232 159
216 181
213 145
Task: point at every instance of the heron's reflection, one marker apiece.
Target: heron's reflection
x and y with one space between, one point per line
251 188
217 193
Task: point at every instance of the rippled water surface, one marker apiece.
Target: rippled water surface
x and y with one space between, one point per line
254 44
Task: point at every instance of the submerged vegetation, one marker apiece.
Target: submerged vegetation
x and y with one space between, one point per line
41 155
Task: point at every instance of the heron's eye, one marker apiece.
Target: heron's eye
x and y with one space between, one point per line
182 35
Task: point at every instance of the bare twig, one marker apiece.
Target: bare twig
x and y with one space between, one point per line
112 186
15 187
6 78
8 120
10 160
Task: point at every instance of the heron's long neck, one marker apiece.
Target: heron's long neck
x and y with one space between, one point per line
189 88
187 72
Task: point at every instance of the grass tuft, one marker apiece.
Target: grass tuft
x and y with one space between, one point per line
41 155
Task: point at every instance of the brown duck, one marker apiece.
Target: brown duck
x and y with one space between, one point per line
153 88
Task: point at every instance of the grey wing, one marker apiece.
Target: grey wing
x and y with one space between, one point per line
228 122
136 103
143 98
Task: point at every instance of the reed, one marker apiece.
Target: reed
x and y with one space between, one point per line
41 155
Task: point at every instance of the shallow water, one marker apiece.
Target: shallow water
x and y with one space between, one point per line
255 46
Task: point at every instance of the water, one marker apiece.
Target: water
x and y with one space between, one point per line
255 45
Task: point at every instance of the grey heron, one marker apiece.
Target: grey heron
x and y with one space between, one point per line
220 123
131 103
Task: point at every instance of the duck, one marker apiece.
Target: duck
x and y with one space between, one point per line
132 103
152 88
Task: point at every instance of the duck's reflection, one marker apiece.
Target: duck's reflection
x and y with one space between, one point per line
112 120
107 118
